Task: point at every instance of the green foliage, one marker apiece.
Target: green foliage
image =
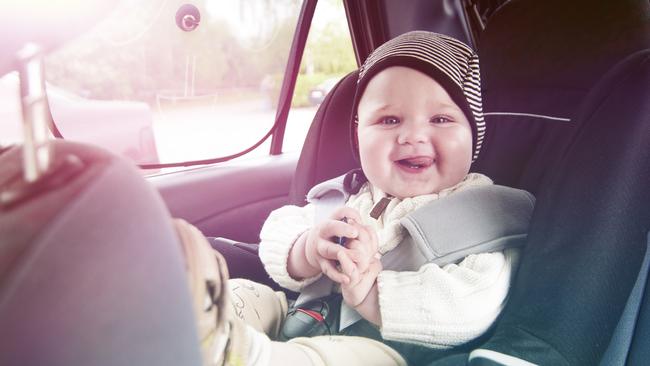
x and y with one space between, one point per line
328 54
331 50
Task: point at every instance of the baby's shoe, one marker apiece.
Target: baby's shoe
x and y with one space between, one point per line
224 339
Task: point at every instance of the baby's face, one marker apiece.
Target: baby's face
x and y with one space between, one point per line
413 139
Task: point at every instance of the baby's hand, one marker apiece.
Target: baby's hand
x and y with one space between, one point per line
362 250
321 252
355 292
361 263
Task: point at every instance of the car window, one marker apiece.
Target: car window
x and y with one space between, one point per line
143 87
10 110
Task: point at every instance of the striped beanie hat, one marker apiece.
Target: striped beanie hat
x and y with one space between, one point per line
448 61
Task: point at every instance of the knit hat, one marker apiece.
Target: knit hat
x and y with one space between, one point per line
448 61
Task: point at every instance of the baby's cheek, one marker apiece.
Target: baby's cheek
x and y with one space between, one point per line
458 147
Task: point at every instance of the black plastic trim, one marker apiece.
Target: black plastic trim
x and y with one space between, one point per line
291 74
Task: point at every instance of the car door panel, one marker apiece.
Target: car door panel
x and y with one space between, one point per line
232 199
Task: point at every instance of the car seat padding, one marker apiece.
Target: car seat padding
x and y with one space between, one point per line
587 236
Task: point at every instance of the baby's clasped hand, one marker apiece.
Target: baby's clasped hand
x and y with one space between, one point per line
360 252
361 264
321 253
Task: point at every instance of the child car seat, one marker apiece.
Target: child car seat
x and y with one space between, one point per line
631 341
88 265
538 139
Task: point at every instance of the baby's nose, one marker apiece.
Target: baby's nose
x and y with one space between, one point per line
413 134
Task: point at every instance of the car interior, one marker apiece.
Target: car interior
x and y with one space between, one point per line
88 245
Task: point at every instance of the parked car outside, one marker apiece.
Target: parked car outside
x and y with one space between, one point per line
318 93
123 127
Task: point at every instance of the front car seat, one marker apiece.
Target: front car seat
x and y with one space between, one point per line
91 270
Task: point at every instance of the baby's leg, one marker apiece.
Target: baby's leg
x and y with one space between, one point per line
227 340
336 350
224 338
258 305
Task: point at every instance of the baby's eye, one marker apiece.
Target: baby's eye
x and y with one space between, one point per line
389 120
441 119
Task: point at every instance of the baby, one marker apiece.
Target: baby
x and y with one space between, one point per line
418 127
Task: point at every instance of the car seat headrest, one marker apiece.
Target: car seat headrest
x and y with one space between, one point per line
538 61
327 151
541 57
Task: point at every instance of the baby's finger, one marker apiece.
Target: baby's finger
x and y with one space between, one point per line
360 253
328 249
347 212
362 230
367 237
333 228
329 270
374 239
349 268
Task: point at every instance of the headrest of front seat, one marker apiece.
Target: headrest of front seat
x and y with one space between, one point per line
91 270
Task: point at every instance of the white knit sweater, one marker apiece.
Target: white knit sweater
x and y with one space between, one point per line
436 306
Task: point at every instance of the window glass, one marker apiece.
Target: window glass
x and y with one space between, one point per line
10 110
142 87
327 58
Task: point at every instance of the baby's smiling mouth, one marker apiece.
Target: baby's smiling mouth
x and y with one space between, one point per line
416 162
